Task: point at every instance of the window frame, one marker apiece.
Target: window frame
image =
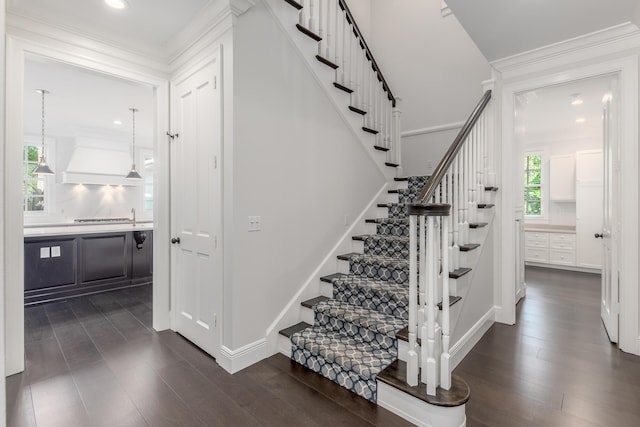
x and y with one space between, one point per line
544 185
48 181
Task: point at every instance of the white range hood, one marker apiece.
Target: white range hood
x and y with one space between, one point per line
95 163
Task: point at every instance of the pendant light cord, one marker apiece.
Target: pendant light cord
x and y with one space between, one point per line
42 91
133 135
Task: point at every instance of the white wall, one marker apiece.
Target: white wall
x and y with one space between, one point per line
432 65
296 164
2 236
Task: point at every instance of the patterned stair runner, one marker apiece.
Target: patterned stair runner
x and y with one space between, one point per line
354 333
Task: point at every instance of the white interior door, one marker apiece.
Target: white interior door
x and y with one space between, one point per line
609 307
196 207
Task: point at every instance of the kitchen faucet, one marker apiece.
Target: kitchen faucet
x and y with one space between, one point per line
133 211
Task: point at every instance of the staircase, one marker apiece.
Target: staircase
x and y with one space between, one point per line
388 321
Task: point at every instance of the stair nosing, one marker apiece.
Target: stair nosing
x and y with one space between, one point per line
357 110
460 272
379 148
294 3
369 130
287 332
342 87
469 247
313 301
327 62
307 32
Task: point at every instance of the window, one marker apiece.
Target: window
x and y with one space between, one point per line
34 186
148 181
533 185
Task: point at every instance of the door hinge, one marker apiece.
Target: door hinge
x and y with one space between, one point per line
215 320
215 162
215 242
215 82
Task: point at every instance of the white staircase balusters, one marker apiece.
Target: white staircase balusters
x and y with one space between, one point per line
302 15
321 27
412 355
311 25
330 32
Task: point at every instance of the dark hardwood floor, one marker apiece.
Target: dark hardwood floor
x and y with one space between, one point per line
556 366
95 361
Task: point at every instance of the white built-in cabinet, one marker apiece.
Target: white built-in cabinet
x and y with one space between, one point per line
562 175
589 207
550 247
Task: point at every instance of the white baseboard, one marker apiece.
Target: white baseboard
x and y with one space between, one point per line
236 360
418 412
464 345
564 267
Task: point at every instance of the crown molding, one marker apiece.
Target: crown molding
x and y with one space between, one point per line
612 40
70 40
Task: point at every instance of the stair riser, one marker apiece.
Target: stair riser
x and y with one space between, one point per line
375 302
334 372
393 249
366 335
392 229
381 272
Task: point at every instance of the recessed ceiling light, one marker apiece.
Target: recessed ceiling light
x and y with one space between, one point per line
117 122
117 4
580 120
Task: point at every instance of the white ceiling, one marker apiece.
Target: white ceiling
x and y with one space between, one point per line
548 113
502 28
85 103
146 25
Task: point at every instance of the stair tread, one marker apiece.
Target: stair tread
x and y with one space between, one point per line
379 148
458 273
357 110
400 291
369 130
362 317
342 87
491 188
288 332
400 179
327 62
384 237
395 375
485 205
308 32
329 278
365 359
452 301
380 259
469 247
478 224
393 165
294 3
313 301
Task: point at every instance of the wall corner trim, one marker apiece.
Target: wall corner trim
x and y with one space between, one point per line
236 360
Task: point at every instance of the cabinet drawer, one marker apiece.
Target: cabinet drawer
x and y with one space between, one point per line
535 239
563 241
562 257
536 254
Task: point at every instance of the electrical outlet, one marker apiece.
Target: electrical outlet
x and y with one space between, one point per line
255 223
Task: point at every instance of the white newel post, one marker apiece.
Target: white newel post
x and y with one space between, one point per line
429 348
445 360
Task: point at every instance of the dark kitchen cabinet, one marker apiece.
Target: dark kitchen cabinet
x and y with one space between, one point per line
58 267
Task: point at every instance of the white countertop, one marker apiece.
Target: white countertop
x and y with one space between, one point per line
550 228
68 229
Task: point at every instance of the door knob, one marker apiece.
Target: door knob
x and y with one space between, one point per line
599 236
175 240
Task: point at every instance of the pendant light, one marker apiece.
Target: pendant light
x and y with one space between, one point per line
42 168
133 173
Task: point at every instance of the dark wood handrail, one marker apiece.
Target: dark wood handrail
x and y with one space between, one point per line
363 44
432 183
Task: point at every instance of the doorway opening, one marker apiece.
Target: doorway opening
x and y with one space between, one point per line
567 139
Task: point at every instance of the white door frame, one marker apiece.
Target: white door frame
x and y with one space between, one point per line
115 63
559 72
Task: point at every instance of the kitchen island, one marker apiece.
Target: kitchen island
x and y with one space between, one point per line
68 260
